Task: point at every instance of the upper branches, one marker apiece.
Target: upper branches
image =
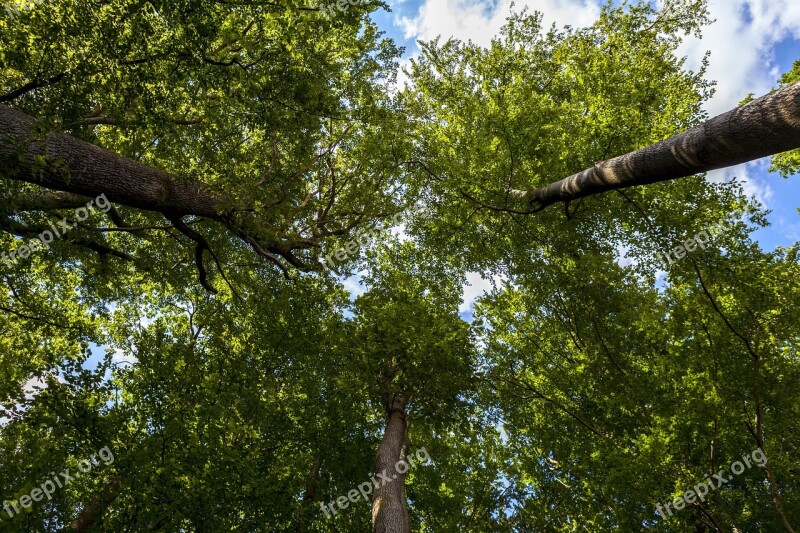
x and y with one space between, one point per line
285 231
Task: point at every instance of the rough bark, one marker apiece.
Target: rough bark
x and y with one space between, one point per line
758 434
309 494
90 170
93 512
80 168
763 127
389 505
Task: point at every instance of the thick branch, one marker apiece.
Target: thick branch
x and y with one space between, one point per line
48 200
89 170
82 169
763 127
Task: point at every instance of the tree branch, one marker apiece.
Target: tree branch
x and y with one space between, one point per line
86 168
763 127
49 200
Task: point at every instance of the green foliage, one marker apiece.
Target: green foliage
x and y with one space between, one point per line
586 390
280 110
788 163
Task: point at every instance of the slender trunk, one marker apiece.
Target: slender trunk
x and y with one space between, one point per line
309 494
766 126
389 506
90 170
759 437
93 512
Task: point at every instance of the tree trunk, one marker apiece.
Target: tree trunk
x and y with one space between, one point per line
93 512
758 434
309 495
90 171
763 127
389 506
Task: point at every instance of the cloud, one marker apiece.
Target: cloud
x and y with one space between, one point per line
791 230
481 21
622 257
30 389
120 357
475 287
34 386
748 176
741 42
354 285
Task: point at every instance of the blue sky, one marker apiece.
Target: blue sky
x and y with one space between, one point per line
751 42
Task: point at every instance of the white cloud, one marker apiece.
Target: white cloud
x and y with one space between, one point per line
354 285
741 42
30 387
120 357
791 230
752 184
622 257
475 287
480 21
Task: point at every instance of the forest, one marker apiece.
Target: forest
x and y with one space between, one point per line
236 238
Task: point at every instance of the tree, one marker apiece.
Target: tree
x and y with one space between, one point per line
763 127
597 382
272 121
410 336
579 81
617 392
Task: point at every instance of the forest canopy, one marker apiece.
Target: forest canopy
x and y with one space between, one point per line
189 188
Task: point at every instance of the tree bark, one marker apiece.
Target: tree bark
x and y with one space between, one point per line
90 171
389 505
758 434
93 512
763 127
61 162
309 494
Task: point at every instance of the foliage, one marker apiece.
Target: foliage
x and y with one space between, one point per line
788 162
587 387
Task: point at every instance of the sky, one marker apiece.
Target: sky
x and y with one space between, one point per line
751 42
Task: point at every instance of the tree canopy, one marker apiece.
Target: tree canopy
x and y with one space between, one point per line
193 350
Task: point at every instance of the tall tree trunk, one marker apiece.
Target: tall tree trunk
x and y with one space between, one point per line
766 126
389 506
309 494
93 512
90 170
